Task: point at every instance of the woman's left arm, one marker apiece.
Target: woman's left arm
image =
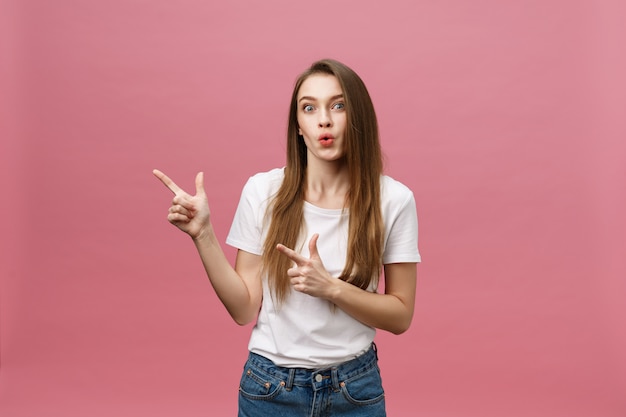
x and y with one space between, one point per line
391 311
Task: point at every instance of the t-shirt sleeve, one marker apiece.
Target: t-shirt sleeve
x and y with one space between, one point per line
401 239
247 227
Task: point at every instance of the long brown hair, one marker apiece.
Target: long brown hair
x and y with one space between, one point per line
363 158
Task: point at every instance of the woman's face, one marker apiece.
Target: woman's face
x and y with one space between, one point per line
322 117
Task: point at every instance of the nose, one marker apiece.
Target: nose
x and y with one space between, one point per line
325 119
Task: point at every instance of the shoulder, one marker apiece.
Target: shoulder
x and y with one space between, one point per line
393 190
268 177
265 184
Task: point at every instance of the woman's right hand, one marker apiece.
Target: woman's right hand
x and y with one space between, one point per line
189 213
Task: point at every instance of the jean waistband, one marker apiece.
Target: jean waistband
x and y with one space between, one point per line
318 378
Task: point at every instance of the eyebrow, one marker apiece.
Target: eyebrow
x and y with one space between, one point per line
309 98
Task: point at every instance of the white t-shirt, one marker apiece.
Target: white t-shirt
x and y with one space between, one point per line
306 331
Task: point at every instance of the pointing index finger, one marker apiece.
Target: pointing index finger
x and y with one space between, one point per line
291 254
167 181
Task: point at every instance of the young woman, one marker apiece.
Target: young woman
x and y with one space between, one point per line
313 238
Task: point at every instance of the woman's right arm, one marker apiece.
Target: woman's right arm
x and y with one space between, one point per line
238 288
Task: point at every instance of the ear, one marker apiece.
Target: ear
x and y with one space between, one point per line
299 131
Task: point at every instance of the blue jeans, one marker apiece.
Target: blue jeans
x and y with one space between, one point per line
351 389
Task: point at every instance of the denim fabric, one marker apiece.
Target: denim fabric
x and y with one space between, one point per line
351 389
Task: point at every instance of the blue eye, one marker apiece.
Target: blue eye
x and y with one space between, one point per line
339 106
307 108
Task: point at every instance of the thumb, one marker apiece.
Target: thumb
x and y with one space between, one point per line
200 184
313 246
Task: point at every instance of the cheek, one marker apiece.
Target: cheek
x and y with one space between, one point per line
342 121
299 125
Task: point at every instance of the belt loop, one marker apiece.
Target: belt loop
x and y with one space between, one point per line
334 374
290 378
375 349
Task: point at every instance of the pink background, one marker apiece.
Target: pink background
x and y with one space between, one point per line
507 119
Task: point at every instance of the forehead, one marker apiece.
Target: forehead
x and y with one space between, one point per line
320 86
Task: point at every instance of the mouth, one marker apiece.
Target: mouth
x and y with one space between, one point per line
326 139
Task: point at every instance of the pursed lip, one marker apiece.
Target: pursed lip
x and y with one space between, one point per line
325 136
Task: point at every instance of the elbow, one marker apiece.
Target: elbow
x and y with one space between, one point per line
242 320
244 314
401 326
399 330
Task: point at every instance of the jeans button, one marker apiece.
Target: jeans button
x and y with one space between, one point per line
319 378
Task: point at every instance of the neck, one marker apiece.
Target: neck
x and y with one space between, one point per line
327 184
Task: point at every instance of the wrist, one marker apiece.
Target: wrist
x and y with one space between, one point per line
206 235
335 290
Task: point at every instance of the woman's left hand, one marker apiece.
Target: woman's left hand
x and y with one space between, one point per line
309 275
